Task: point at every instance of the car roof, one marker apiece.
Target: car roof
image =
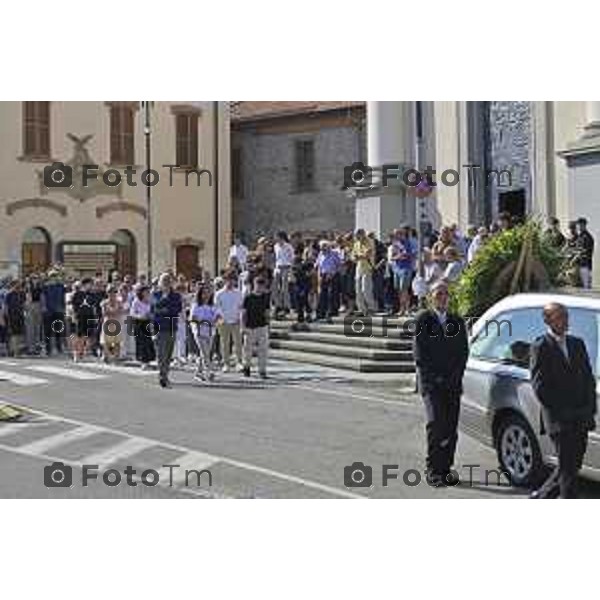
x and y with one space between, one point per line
570 298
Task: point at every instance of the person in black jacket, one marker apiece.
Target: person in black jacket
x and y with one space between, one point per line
167 308
585 245
563 381
441 351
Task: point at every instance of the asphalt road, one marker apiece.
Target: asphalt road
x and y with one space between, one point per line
290 436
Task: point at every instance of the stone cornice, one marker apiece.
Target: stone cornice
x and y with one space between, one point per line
188 241
13 207
120 206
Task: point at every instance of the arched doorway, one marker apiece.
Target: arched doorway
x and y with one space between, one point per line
126 259
36 251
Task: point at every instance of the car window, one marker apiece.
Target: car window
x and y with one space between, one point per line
508 336
584 324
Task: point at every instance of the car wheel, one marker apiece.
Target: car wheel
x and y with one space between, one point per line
518 451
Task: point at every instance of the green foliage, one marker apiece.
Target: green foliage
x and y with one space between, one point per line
486 280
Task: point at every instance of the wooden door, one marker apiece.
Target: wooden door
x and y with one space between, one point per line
126 260
186 260
35 258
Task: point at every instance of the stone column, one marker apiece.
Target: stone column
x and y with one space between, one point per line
592 111
583 161
390 140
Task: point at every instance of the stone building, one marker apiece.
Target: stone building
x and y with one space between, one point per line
288 162
101 226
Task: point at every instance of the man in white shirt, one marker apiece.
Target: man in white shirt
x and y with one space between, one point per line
229 302
476 244
284 258
239 252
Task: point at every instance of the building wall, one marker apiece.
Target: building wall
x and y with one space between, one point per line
270 201
179 213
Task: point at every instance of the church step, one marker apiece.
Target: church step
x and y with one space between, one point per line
390 331
382 343
356 351
341 362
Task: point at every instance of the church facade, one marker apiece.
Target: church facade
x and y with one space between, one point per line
74 180
527 158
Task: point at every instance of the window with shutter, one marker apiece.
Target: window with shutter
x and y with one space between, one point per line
36 129
186 150
122 134
305 165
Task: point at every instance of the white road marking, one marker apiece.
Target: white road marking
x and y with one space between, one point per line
242 465
59 439
9 363
353 396
64 372
124 449
9 428
196 461
122 369
20 379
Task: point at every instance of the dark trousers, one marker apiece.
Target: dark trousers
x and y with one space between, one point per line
144 346
570 441
379 288
165 342
302 305
326 307
442 409
54 327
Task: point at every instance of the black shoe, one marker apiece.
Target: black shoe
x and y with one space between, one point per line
435 480
263 375
536 495
246 371
450 479
164 383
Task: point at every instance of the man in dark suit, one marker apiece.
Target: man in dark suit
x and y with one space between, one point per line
563 381
441 352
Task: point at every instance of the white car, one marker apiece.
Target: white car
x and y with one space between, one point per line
498 405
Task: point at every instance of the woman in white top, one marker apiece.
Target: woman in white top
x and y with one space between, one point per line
454 266
141 313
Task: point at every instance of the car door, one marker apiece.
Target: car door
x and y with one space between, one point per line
497 374
585 324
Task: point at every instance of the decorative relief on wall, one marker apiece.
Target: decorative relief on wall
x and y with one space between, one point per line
73 171
510 140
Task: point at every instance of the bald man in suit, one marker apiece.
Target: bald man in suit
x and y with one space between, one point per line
565 385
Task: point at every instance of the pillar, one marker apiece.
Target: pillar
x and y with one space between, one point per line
390 140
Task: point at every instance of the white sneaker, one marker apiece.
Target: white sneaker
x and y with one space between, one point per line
226 369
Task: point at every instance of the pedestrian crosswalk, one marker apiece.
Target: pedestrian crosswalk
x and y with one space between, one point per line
27 373
72 373
35 372
88 447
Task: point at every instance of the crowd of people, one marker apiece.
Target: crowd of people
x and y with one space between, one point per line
223 321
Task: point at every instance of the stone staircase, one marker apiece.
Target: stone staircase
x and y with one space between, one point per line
387 350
